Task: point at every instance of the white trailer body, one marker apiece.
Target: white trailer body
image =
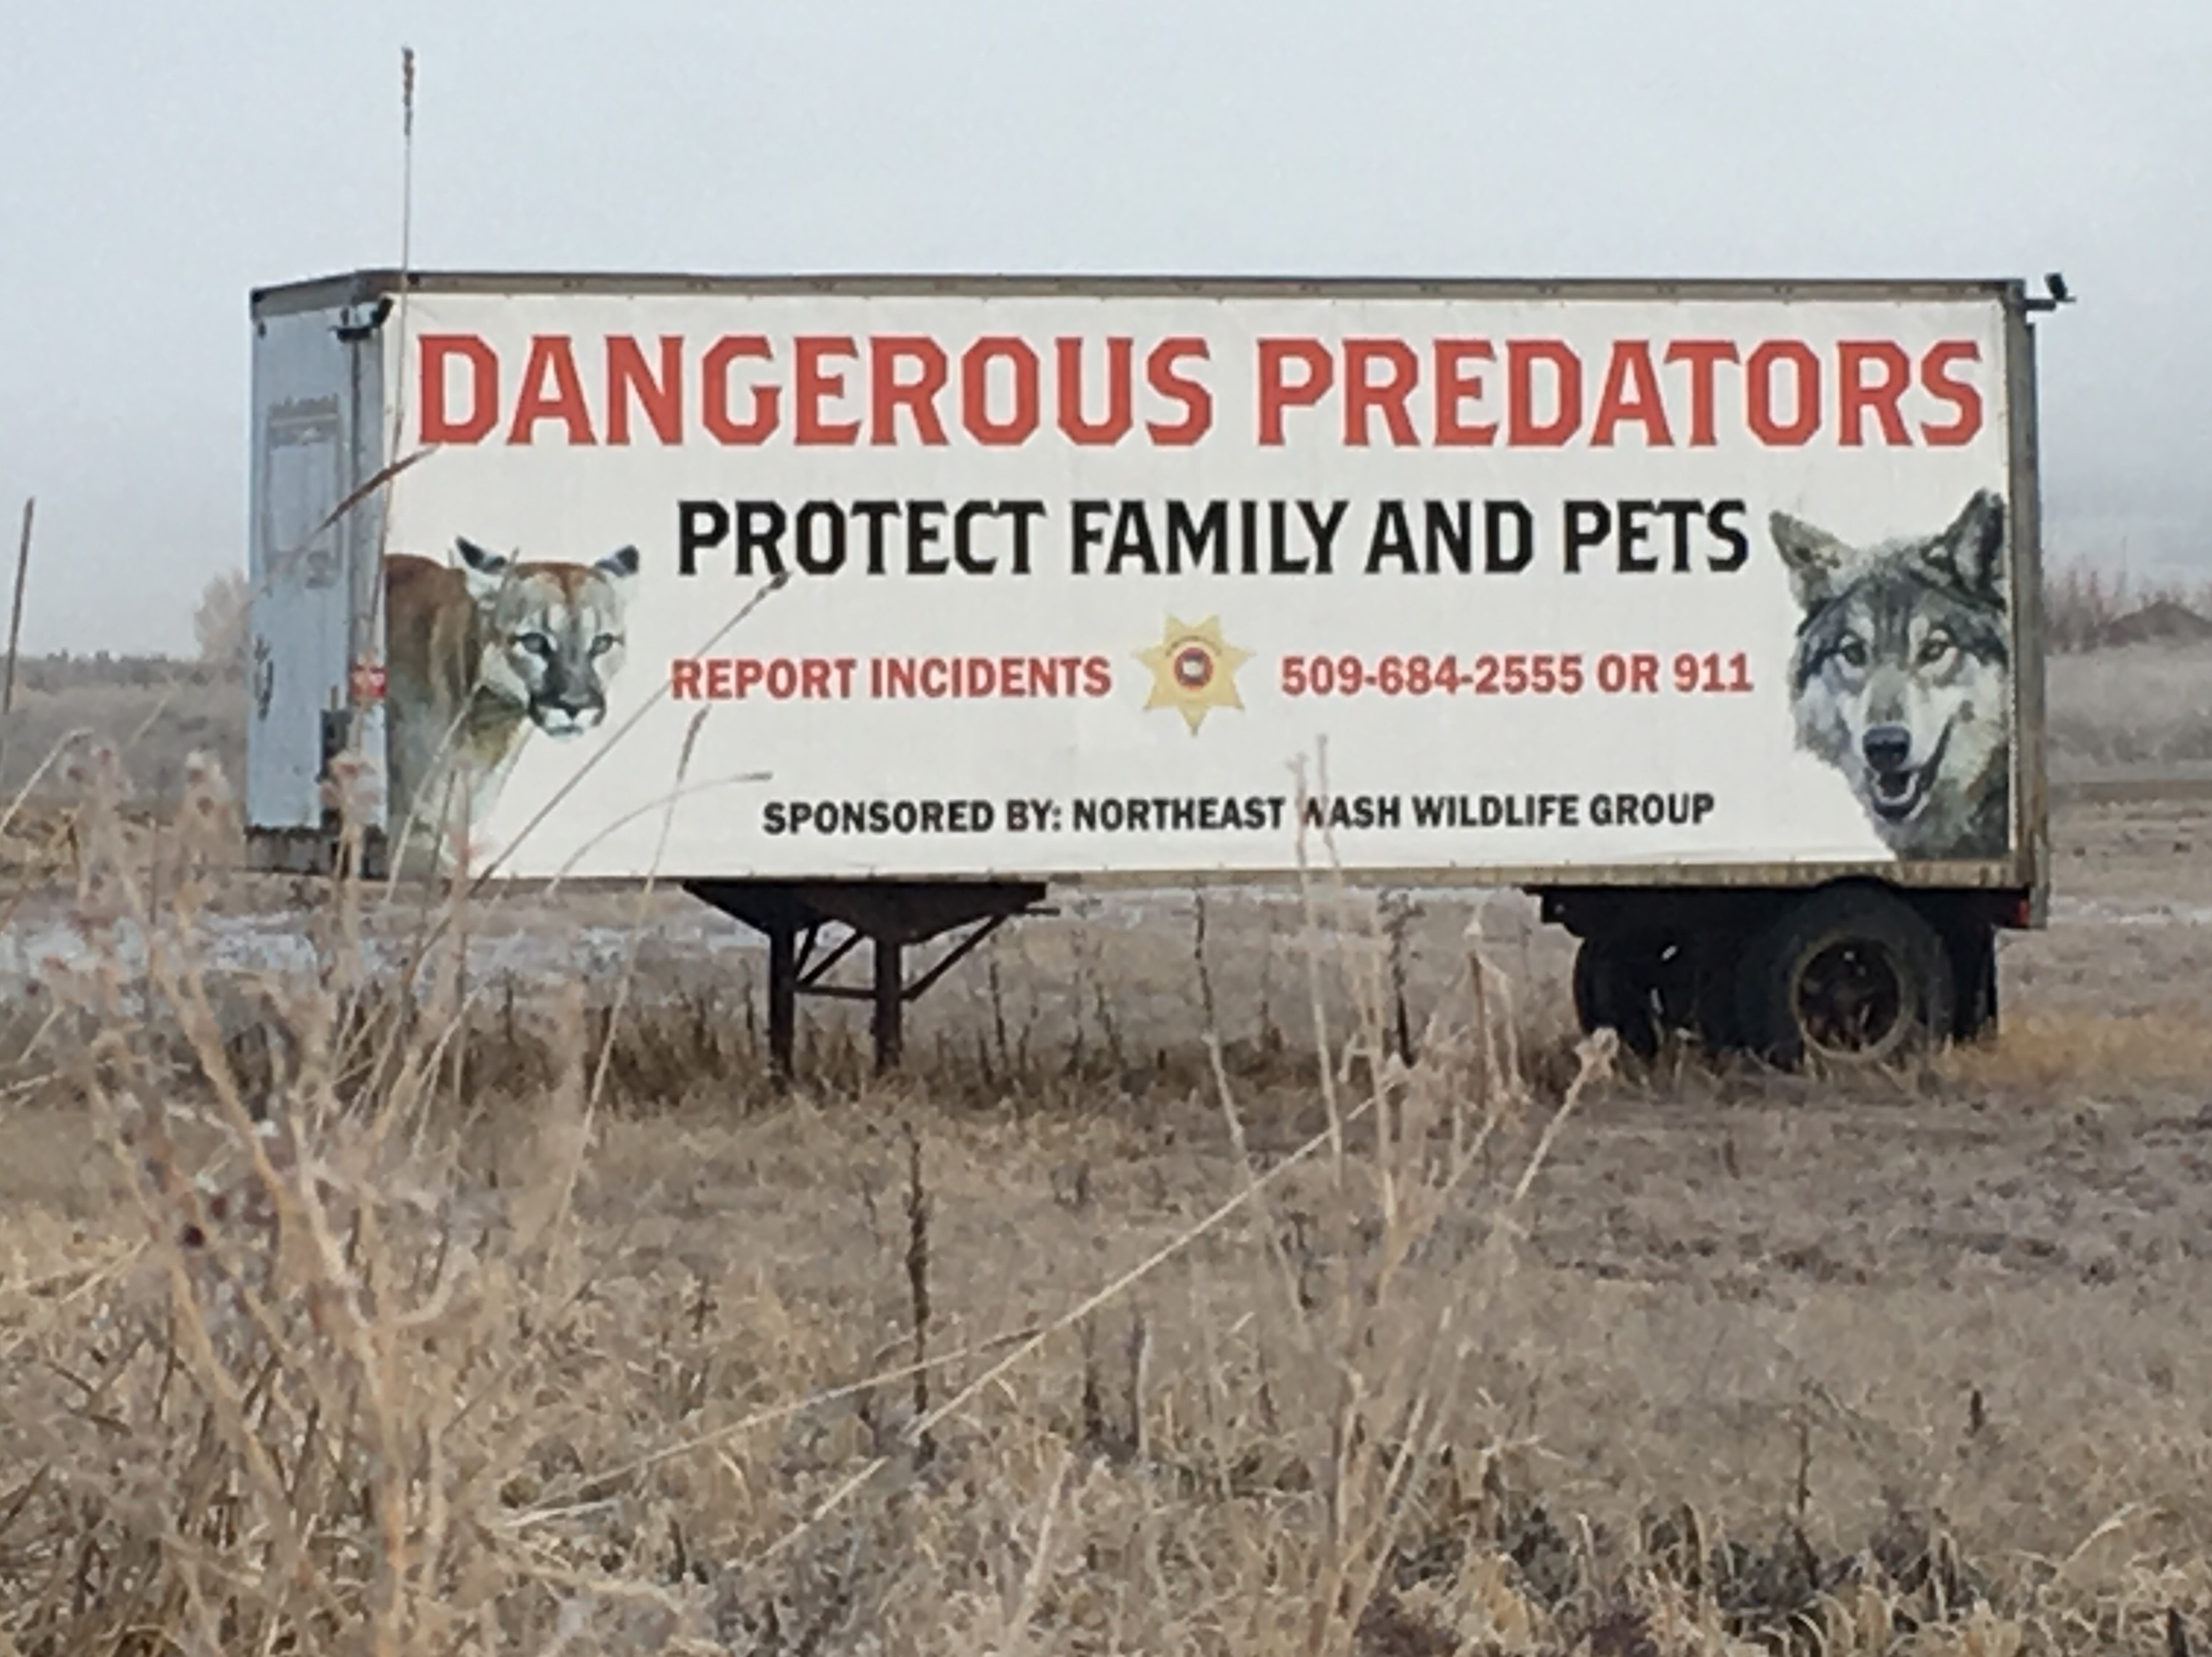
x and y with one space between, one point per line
1568 585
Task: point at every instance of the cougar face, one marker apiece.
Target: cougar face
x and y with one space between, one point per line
551 633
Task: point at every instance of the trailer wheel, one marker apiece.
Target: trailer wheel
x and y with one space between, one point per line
1850 974
1709 991
1615 989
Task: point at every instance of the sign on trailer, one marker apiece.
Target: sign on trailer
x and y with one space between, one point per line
1081 583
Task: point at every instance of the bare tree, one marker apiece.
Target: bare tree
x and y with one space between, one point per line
222 623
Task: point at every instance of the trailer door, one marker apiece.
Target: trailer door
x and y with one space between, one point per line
317 391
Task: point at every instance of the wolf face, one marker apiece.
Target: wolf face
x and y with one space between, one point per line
1901 677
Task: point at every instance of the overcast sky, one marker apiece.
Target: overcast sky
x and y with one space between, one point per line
158 159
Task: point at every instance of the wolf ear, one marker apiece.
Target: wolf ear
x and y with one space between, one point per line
484 573
1970 553
620 564
1813 557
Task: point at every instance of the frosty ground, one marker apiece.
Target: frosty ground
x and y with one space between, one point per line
1013 1351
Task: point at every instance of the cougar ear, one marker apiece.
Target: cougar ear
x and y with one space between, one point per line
1970 552
620 564
1813 557
484 573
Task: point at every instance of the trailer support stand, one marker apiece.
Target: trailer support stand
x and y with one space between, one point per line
892 915
783 998
890 1006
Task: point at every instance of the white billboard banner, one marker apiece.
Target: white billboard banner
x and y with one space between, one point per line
1072 584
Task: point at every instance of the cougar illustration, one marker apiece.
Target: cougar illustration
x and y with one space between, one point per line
477 653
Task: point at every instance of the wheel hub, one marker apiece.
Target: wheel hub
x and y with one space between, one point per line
1849 1000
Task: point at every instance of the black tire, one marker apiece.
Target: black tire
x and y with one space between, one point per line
1614 990
1698 988
1848 975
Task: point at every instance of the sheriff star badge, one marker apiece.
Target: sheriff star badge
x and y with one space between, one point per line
1194 670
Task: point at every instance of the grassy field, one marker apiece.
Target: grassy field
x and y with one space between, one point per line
2146 705
1159 1307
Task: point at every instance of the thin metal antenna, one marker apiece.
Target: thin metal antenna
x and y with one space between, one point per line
406 246
398 358
406 158
406 266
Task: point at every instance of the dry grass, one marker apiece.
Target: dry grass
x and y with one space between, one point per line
344 1313
348 1366
156 711
1157 1309
2072 1049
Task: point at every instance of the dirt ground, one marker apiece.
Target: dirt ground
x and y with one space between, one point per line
1714 1261
1973 1297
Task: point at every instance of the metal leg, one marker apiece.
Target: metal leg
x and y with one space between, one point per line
783 998
891 1005
890 914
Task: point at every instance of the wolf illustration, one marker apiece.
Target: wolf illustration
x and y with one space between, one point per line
478 653
1901 677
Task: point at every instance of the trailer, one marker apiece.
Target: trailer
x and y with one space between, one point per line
1706 612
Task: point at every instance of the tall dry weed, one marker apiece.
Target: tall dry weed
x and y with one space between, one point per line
368 1352
285 1418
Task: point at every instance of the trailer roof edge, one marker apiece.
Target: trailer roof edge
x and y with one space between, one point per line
356 286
